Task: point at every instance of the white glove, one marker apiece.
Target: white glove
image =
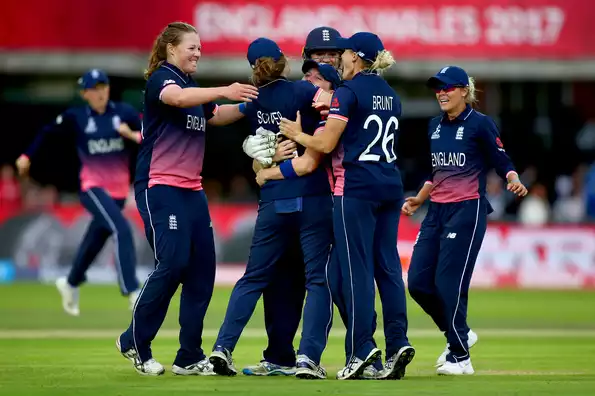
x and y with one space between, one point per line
261 146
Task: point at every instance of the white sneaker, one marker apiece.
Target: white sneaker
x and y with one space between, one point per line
204 367
130 354
150 367
395 366
70 296
132 297
471 340
370 373
356 366
463 367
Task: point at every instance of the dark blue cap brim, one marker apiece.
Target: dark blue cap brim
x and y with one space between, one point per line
436 81
343 44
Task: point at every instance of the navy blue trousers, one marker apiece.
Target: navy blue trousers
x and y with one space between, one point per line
107 220
274 233
178 228
366 246
443 259
283 301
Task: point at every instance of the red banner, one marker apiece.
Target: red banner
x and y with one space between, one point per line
412 29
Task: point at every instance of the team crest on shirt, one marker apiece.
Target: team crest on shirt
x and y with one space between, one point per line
116 122
436 133
91 126
459 135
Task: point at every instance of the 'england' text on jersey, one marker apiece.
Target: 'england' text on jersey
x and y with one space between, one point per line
104 146
196 123
448 159
269 118
382 102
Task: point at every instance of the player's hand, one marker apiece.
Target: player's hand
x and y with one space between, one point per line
240 92
516 187
260 148
261 177
23 163
285 150
320 106
291 129
411 205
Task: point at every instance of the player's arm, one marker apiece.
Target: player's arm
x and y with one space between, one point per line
61 125
490 138
174 95
297 167
227 114
131 125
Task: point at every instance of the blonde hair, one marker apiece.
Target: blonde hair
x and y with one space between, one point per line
471 97
384 60
172 34
267 69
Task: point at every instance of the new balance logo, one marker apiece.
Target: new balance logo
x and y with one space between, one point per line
436 133
459 135
451 235
173 222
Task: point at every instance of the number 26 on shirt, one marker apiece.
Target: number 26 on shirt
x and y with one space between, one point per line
388 139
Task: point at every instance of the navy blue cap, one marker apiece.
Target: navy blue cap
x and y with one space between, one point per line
449 75
328 72
365 44
91 78
320 39
263 48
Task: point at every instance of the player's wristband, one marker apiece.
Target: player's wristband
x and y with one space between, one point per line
287 170
242 108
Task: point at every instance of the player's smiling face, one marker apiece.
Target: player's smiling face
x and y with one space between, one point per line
314 76
332 58
450 97
186 54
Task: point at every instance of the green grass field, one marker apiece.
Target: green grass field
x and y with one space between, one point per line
531 343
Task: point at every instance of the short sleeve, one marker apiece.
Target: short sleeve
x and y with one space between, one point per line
342 104
210 109
158 81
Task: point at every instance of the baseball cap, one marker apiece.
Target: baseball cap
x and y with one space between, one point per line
91 78
263 48
365 44
321 38
449 75
328 72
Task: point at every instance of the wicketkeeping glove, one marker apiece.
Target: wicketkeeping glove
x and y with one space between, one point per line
261 146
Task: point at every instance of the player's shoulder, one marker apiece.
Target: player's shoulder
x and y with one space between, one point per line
164 76
481 119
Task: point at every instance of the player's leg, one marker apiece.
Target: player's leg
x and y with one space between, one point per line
92 243
198 281
271 238
109 211
422 268
464 228
353 219
283 301
171 243
389 279
316 235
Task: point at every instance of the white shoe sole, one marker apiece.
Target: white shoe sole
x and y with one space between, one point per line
177 370
370 359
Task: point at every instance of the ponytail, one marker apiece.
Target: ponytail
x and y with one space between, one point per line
172 34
